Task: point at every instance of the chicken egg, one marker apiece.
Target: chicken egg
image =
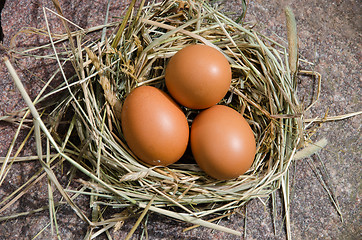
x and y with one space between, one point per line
198 76
222 142
154 126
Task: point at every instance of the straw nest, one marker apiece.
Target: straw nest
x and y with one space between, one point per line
263 89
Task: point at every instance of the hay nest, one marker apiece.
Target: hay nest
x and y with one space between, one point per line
263 89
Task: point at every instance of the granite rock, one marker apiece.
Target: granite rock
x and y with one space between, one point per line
329 36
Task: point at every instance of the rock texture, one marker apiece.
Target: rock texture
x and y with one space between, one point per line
330 37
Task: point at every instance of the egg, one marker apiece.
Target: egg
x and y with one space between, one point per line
154 127
198 76
222 142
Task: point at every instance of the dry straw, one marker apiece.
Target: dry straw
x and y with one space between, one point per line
107 68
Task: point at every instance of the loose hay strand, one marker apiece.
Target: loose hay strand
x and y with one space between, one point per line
143 214
320 174
292 40
332 118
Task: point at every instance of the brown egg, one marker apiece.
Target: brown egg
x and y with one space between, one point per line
198 76
154 126
222 142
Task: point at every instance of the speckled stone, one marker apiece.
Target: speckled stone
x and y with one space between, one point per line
329 36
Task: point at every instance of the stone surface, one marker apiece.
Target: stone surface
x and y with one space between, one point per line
330 37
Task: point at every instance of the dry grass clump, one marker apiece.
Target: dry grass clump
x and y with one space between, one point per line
263 89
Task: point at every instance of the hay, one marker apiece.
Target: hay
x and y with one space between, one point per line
263 89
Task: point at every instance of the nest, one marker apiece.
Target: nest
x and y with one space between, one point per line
263 90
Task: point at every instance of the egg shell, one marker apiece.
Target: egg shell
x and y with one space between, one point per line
154 126
222 142
198 76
